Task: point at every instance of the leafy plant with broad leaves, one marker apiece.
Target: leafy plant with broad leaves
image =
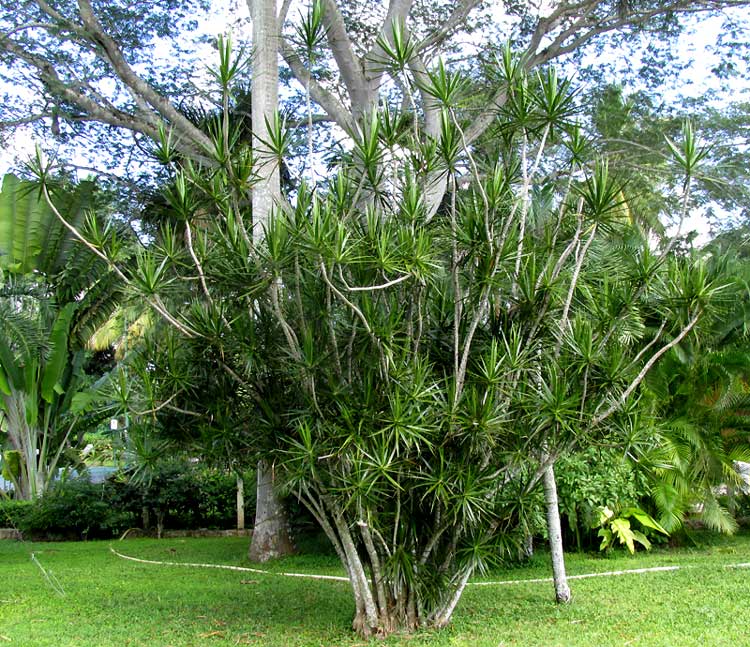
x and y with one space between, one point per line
617 526
55 293
593 478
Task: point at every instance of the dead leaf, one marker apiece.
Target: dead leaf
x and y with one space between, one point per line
212 634
248 581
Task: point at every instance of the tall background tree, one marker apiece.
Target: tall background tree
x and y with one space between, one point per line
270 537
88 64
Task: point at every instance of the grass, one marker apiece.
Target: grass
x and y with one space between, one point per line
109 601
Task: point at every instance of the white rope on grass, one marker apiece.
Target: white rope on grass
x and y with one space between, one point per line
653 569
227 567
50 577
337 578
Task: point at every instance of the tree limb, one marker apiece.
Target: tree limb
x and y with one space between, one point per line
644 371
347 61
112 53
325 99
459 15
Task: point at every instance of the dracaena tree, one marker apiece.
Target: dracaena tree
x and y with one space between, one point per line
88 73
426 367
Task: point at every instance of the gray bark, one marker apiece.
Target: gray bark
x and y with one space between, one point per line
270 533
527 548
562 590
350 67
446 613
265 102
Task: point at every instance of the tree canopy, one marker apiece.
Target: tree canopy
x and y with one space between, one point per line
83 63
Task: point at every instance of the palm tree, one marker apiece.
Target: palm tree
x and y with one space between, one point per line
701 394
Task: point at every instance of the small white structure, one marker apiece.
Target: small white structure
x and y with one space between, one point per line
5 485
743 469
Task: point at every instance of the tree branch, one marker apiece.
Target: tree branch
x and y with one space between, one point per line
459 15
112 53
325 99
376 58
644 371
594 25
347 61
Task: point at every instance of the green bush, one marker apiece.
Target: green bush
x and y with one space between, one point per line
218 499
176 496
74 509
12 512
590 480
180 496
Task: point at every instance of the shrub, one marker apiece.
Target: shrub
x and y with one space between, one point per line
13 512
74 509
590 480
177 496
217 498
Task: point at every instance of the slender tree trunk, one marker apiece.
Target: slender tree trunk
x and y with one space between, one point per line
562 590
240 502
527 548
160 514
270 533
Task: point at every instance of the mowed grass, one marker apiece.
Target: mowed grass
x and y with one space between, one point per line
110 601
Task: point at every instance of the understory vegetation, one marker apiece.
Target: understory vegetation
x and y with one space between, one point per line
176 496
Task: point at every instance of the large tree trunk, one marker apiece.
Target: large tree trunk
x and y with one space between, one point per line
270 533
562 590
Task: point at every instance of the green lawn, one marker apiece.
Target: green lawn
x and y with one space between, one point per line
109 601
